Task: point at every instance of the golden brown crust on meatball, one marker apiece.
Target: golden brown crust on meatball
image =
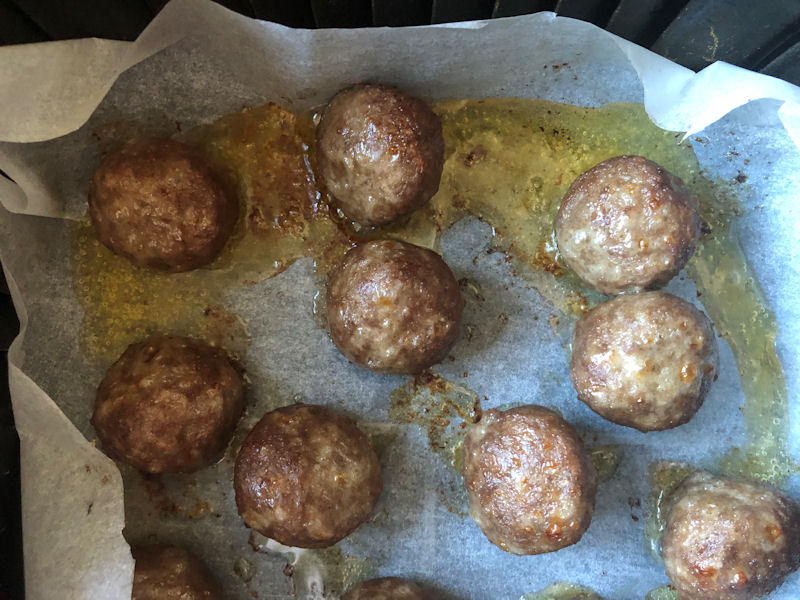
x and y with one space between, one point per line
627 224
160 204
306 476
728 539
530 480
168 573
644 360
380 152
169 404
385 588
393 307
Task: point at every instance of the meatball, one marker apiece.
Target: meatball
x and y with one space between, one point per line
729 539
627 224
385 588
306 477
644 360
169 573
169 404
530 480
393 307
380 153
159 203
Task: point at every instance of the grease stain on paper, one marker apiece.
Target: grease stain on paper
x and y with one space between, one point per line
665 478
563 591
444 410
508 162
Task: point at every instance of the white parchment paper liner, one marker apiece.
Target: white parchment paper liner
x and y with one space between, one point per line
72 495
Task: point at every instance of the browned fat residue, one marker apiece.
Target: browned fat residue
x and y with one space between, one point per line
545 258
157 494
160 497
474 156
443 409
606 460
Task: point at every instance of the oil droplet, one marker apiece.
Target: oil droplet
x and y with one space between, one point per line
319 308
342 571
665 478
563 591
244 569
606 460
663 592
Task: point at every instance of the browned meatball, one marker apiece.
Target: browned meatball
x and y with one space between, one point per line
644 360
530 480
169 404
393 307
306 476
729 539
159 203
168 573
385 588
627 224
380 153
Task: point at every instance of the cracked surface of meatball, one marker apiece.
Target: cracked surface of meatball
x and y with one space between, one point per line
169 573
380 153
160 204
306 476
627 224
730 539
644 360
385 588
169 404
393 307
530 480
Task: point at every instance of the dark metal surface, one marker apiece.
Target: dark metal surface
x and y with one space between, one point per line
513 8
593 11
448 11
787 65
729 30
293 14
16 27
121 20
397 13
642 21
756 35
11 579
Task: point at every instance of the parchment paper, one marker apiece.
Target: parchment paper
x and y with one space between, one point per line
197 61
